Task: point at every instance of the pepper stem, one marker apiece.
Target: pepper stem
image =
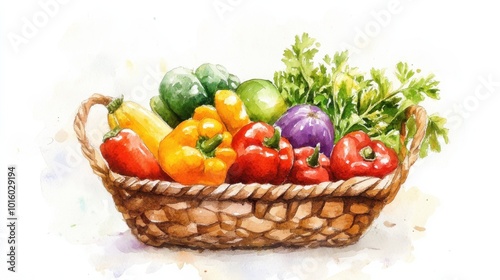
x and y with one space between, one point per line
112 133
313 160
274 141
367 153
115 104
208 146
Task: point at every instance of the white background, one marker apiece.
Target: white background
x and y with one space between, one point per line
55 54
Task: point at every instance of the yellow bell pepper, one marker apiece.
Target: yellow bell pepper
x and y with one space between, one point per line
197 152
149 126
206 111
231 110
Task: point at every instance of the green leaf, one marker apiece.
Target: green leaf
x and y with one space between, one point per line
413 95
382 81
319 99
373 102
434 135
367 98
340 60
403 72
390 140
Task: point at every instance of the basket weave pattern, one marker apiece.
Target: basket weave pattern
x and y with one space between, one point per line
330 214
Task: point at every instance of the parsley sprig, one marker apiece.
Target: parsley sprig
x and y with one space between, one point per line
357 101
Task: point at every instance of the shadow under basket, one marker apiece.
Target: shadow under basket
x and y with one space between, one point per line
245 216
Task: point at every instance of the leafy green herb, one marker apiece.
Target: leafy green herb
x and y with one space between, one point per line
358 101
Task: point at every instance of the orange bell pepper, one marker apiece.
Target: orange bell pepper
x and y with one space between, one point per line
197 152
231 110
206 111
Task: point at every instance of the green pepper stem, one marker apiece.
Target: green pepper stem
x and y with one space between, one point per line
112 133
115 104
274 141
367 153
313 160
209 145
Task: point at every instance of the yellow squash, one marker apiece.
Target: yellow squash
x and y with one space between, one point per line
149 126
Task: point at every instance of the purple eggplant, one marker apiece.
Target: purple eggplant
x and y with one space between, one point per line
306 125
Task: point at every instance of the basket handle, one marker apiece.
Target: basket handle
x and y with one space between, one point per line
411 155
420 116
94 157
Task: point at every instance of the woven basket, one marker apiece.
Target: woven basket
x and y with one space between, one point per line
333 214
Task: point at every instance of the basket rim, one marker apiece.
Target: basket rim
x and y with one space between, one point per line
370 187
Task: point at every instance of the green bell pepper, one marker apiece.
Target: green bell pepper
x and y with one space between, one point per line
215 77
182 92
233 82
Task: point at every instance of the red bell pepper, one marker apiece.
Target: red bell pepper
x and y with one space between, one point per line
263 155
126 154
310 167
356 154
